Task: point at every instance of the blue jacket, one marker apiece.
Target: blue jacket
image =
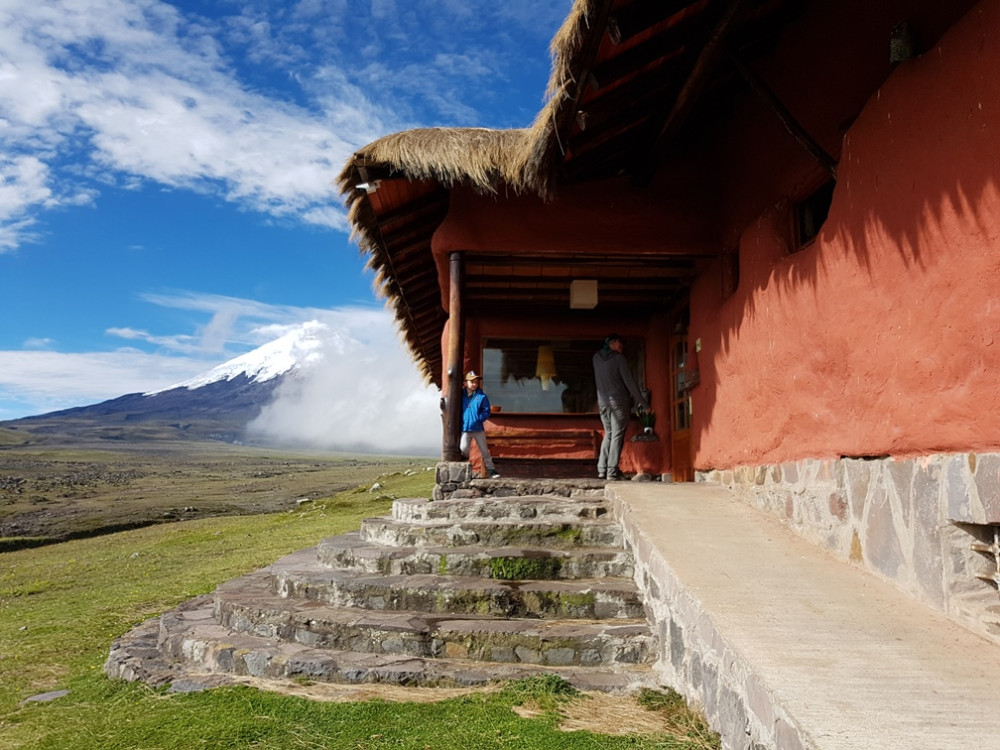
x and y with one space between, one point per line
475 411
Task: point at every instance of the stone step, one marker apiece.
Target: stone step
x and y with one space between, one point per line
555 535
301 575
500 508
247 605
191 642
514 487
457 592
507 563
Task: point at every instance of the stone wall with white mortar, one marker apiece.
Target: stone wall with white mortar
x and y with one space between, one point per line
911 522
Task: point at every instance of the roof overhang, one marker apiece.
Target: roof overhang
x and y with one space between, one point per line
636 86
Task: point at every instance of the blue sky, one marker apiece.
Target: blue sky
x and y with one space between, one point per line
167 196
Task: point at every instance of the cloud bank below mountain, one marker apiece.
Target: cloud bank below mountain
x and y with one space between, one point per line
359 392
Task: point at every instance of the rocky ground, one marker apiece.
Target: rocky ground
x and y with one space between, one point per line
52 493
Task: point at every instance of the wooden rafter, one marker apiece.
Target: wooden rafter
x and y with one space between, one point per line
700 77
635 18
794 128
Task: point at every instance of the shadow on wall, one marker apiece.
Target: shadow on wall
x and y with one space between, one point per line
882 325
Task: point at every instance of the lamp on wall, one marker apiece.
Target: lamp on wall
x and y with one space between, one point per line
545 367
583 294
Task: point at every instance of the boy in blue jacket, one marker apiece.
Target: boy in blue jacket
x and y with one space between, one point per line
475 411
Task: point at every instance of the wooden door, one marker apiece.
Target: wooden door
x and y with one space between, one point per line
682 466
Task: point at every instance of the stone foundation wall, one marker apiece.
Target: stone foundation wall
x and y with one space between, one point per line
451 477
695 659
912 522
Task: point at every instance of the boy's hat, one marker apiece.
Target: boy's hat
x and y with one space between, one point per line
472 375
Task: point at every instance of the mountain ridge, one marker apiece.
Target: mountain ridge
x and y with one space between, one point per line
215 405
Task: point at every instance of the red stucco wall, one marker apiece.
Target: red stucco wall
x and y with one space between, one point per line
883 336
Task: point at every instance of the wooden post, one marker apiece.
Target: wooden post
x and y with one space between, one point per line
455 359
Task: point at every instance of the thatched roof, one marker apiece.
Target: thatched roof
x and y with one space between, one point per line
478 156
520 158
625 78
433 159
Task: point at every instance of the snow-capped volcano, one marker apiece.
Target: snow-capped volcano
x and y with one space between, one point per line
215 405
301 347
340 385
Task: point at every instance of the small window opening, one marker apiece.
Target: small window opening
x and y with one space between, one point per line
987 544
811 213
730 273
975 557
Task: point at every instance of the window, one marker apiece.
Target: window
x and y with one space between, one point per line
811 213
730 264
546 375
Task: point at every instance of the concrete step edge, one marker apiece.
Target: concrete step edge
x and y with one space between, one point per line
563 534
557 642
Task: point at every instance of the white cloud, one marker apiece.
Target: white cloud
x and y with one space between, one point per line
38 343
133 90
365 395
233 323
261 106
36 382
175 343
22 187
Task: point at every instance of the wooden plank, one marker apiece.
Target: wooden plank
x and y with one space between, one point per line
635 18
668 42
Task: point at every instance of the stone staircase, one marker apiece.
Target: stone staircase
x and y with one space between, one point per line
451 592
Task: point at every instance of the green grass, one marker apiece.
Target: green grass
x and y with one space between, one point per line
62 605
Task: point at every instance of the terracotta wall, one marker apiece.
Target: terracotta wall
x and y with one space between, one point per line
882 336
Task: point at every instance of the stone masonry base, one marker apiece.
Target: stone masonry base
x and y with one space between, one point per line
929 525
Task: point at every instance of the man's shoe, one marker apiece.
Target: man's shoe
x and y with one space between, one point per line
495 475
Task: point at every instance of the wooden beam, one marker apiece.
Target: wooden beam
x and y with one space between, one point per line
655 259
667 43
642 90
566 115
626 22
623 281
701 74
794 128
450 450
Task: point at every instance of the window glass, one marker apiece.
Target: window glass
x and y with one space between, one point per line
546 375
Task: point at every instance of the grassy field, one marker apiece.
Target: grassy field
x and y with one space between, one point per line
55 492
63 604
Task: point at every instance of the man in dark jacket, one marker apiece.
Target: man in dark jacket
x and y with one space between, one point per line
616 390
475 411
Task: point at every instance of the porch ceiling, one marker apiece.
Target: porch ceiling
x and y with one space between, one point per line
646 77
521 285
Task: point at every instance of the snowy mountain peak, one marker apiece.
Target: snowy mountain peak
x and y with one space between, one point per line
297 348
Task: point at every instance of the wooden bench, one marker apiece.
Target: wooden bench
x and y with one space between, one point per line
522 442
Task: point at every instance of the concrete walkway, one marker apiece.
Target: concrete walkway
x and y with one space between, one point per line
788 648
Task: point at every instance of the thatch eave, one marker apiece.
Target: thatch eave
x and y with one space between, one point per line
521 160
479 157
